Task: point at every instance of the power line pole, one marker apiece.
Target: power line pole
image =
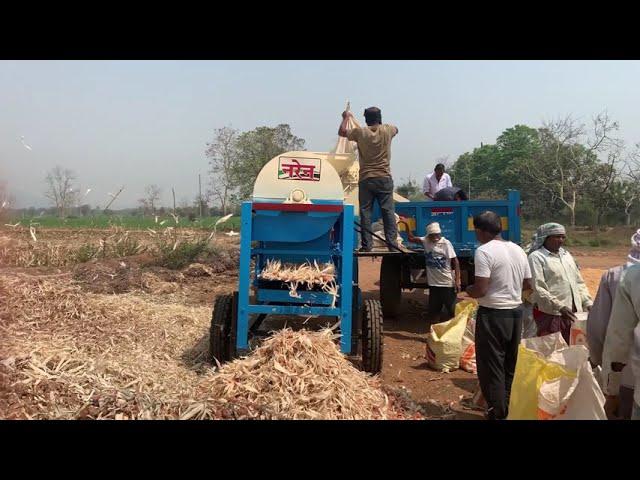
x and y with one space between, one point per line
113 199
200 195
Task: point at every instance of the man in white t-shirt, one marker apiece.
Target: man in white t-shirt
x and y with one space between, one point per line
436 181
443 272
502 273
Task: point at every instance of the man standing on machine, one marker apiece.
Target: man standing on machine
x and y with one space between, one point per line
375 183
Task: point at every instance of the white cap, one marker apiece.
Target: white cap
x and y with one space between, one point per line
433 228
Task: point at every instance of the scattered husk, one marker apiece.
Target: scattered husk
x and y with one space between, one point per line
198 270
298 375
68 354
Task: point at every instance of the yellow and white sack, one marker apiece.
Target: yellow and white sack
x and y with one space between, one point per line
554 381
468 356
444 342
578 333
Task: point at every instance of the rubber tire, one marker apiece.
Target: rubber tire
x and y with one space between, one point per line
390 286
221 332
356 322
372 339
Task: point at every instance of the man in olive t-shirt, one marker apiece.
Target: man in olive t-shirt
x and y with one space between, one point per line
375 183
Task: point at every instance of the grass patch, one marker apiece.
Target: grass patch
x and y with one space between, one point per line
127 246
181 253
86 252
128 222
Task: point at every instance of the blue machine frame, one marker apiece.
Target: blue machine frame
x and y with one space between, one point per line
336 244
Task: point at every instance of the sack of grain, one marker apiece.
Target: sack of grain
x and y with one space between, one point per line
444 342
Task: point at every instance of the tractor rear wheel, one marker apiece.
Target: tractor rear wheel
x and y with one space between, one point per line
371 315
390 290
222 345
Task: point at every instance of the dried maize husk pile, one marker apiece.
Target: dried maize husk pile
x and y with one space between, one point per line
305 274
69 354
66 353
298 375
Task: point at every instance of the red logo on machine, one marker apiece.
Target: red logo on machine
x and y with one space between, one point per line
306 169
442 211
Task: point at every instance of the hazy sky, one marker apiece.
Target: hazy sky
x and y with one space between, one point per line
142 122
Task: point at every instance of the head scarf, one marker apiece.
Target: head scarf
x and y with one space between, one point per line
544 231
634 253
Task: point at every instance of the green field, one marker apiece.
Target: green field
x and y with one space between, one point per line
126 221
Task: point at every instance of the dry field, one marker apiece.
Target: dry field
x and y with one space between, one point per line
114 324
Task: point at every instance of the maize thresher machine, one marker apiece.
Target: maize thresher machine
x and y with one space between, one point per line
300 213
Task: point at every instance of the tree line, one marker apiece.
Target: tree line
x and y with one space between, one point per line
583 173
234 160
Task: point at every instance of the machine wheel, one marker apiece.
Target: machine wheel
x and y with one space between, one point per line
356 322
390 290
222 345
371 336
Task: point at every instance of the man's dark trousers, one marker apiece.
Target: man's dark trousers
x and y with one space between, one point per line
380 189
498 335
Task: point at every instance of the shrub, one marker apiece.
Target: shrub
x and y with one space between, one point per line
181 253
126 246
85 253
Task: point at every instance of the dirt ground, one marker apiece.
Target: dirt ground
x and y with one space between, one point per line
405 338
404 366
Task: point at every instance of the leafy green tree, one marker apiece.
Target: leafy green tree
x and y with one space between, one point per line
255 148
410 189
568 167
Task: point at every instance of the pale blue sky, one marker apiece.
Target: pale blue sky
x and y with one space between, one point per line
141 122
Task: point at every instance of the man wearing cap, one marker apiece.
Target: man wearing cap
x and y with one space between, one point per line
443 272
619 405
436 181
558 288
375 183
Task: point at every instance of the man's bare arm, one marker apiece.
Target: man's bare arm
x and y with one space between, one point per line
455 264
342 131
412 238
479 288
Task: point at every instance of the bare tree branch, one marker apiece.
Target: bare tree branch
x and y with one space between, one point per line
59 189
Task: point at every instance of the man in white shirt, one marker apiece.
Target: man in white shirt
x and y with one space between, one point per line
443 272
436 181
622 340
502 273
620 406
